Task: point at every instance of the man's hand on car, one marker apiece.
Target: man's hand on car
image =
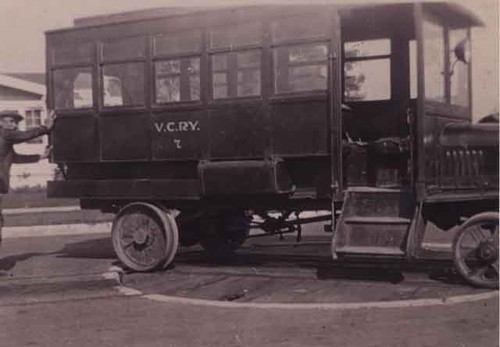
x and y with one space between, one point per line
50 121
46 153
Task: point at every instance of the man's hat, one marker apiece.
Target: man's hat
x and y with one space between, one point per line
11 113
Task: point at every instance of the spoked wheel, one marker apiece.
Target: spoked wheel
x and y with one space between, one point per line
475 250
225 233
144 237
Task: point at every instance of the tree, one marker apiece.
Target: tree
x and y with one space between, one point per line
353 79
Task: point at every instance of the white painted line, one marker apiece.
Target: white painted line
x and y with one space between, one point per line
322 306
40 209
56 230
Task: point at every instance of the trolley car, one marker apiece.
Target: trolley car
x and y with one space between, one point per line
188 122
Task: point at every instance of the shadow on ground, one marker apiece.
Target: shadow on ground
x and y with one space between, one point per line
317 260
9 262
392 271
89 249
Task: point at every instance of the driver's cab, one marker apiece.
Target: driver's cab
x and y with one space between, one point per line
389 117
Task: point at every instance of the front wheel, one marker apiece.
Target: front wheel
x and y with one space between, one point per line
475 250
144 237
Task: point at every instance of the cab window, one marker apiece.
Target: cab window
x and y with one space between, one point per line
434 55
367 70
459 77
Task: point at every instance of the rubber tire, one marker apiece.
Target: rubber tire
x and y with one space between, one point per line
476 219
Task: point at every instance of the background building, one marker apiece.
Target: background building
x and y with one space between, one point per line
25 93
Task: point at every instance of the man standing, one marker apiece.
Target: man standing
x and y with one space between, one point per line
11 135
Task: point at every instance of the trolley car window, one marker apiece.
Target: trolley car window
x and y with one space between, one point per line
300 68
177 80
128 48
460 78
236 74
434 61
74 54
72 88
299 27
236 36
367 70
123 84
168 44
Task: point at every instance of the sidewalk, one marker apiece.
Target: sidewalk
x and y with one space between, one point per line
12 211
56 230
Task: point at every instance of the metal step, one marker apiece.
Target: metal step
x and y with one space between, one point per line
360 250
377 220
374 221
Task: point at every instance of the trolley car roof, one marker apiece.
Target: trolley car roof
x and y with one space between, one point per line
456 15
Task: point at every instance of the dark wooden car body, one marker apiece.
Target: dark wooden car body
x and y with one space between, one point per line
272 151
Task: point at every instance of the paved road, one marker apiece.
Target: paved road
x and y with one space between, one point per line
52 293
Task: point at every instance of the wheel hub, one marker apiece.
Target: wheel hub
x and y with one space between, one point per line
141 237
487 251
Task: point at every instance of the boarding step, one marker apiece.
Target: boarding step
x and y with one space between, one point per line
370 250
377 220
374 221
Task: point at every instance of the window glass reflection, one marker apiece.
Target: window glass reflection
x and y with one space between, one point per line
460 78
73 88
177 80
123 84
434 55
300 68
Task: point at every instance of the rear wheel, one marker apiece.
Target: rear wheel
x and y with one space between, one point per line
225 233
190 228
144 237
475 250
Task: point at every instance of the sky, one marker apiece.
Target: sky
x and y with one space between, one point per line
23 23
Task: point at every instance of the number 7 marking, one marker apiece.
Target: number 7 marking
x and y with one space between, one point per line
177 143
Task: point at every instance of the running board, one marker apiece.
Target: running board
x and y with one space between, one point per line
373 222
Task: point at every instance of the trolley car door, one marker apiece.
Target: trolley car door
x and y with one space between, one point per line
335 105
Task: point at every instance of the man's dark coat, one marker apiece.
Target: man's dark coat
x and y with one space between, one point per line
8 138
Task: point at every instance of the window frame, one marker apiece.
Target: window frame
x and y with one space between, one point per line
31 112
300 42
53 91
232 71
387 56
102 63
447 106
182 78
144 103
53 66
188 54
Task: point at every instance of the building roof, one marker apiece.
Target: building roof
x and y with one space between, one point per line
22 84
36 77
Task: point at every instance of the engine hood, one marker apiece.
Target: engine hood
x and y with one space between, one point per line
469 135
